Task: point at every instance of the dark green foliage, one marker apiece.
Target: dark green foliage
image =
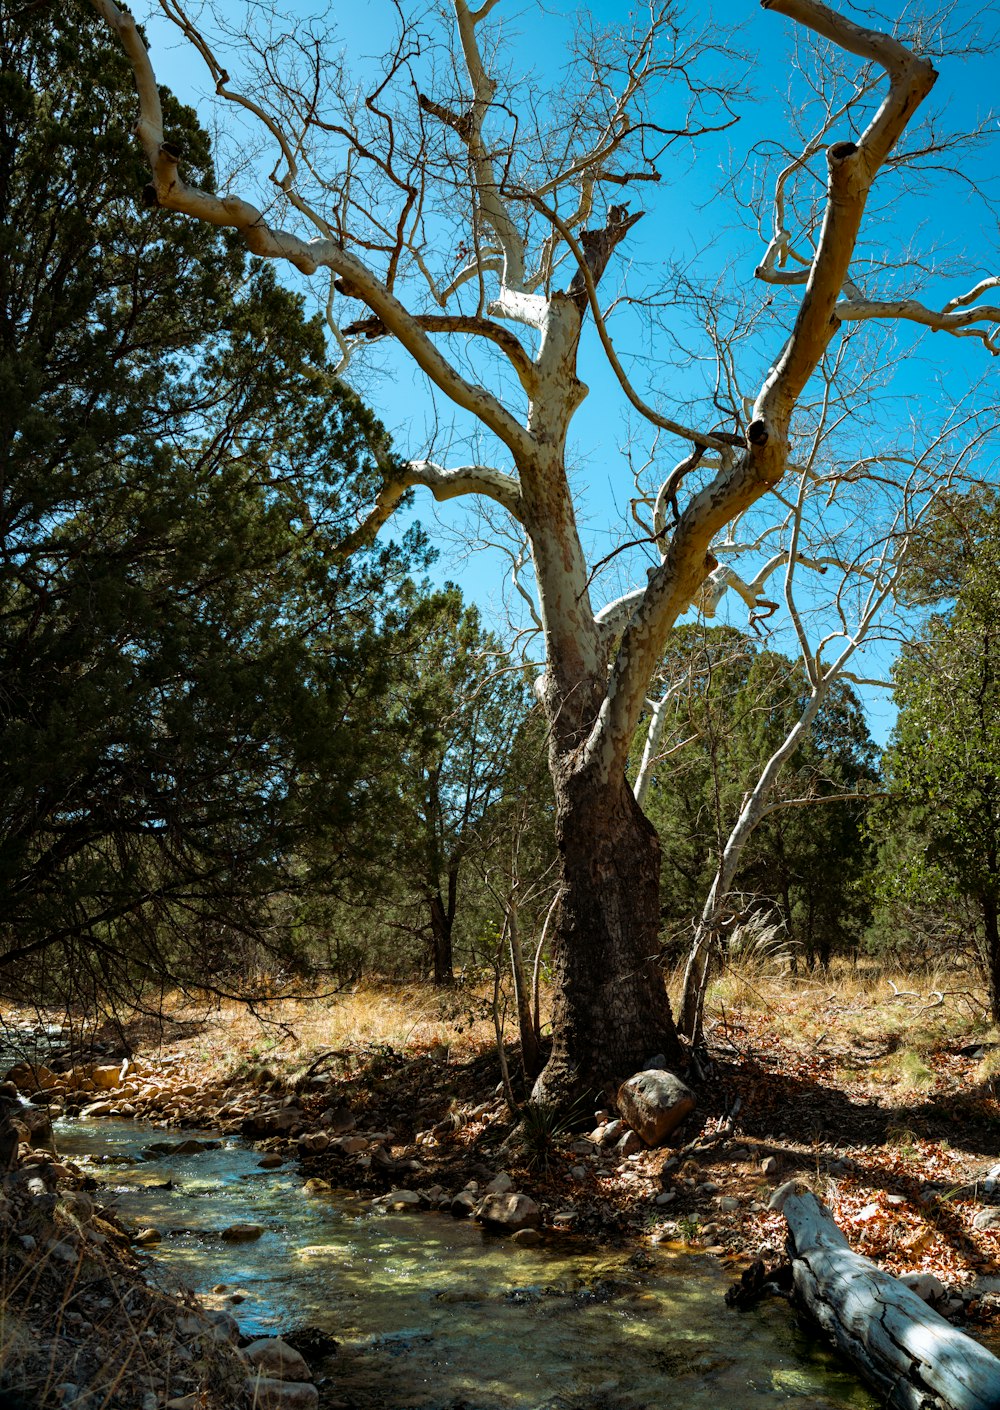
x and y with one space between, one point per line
804 864
941 822
190 677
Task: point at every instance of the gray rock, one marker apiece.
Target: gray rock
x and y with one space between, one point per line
509 1212
925 1285
629 1143
464 1203
654 1103
770 1167
281 1122
276 1359
526 1238
500 1184
986 1220
267 1394
728 1204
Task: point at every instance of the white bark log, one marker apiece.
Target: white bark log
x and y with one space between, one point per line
910 1354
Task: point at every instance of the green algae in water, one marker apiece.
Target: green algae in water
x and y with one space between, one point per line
431 1313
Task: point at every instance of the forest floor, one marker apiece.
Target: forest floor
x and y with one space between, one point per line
882 1093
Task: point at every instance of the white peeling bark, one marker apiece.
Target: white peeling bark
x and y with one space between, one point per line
905 1350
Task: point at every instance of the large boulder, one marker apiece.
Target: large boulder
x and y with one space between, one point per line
508 1212
654 1103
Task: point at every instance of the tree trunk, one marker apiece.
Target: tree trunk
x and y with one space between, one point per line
991 955
610 1006
441 923
531 1058
911 1355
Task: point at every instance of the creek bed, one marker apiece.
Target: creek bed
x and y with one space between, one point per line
431 1313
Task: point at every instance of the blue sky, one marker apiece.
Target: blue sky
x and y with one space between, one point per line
687 226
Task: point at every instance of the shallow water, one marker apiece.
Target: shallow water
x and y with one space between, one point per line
432 1312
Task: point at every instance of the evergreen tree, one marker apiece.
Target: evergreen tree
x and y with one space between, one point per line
191 678
804 863
941 822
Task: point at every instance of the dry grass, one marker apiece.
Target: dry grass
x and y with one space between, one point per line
409 1019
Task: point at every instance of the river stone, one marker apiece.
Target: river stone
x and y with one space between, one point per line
270 1162
274 1357
500 1184
463 1204
242 1233
926 1286
628 1143
105 1078
654 1103
526 1238
314 1141
402 1199
509 1212
191 1146
104 1108
267 1394
271 1123
145 1238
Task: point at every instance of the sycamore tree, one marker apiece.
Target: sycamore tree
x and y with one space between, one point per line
476 219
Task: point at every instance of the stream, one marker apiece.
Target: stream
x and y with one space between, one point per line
432 1313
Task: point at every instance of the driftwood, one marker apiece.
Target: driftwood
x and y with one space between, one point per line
911 1355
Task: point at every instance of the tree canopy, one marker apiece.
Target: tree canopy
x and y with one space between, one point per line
192 677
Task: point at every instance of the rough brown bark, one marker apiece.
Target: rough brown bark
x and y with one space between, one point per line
991 926
441 928
611 1009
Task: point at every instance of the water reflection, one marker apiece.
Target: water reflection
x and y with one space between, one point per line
430 1313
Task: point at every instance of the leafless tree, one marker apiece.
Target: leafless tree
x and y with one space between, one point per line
475 221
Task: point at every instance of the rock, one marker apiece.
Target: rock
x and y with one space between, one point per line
464 1203
275 1358
526 1238
316 1187
314 1141
509 1212
728 1204
991 1180
222 1326
610 1133
270 1162
500 1184
338 1120
402 1199
242 1233
191 1146
770 1167
925 1285
654 1103
350 1145
145 1238
33 1126
80 1205
986 1220
282 1121
665 1197
106 1078
104 1108
628 1144
267 1394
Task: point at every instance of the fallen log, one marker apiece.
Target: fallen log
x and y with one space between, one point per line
900 1346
